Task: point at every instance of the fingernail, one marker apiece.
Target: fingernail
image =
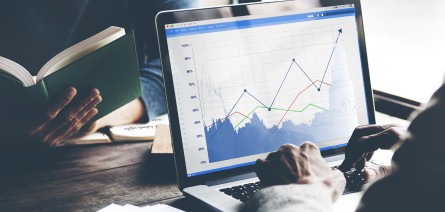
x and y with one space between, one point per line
71 92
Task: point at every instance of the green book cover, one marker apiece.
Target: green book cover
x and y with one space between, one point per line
112 69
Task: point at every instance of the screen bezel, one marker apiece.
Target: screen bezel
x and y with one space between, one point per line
168 17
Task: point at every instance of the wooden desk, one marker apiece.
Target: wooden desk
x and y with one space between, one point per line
88 178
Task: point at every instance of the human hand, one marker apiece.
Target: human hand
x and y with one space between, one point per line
367 139
127 114
299 165
56 122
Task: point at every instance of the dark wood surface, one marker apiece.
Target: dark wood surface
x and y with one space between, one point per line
88 178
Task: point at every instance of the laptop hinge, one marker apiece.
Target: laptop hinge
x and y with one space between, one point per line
231 179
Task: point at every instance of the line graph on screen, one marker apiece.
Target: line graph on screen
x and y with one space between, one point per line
252 105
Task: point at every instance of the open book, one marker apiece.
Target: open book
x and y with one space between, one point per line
106 61
138 132
94 138
64 58
130 132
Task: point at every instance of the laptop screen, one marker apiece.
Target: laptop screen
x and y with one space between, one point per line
246 85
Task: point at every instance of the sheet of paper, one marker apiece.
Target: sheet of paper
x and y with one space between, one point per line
111 208
132 208
161 208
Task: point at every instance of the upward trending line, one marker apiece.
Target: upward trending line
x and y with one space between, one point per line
322 80
293 61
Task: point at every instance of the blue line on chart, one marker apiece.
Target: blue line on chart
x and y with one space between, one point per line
293 61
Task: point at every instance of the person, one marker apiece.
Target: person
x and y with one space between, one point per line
35 31
298 179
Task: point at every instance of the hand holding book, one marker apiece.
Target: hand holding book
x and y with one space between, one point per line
36 111
60 119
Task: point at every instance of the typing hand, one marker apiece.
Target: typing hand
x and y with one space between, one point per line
299 165
367 139
49 127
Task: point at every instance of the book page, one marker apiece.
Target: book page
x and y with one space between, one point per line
80 50
15 71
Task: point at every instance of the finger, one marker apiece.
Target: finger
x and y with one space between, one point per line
314 155
369 130
70 130
310 147
346 165
267 174
71 112
285 164
93 127
76 122
54 109
384 139
361 164
369 156
371 173
352 153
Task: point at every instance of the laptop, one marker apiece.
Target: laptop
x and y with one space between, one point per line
242 80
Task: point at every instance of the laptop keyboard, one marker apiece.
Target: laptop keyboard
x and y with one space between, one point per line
354 183
243 192
354 180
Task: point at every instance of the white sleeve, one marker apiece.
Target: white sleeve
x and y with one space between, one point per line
308 198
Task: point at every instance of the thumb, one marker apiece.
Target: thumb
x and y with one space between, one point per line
373 172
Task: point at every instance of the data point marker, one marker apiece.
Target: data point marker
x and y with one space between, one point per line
269 109
319 89
245 90
293 60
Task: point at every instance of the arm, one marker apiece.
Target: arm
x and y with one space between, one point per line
416 182
309 186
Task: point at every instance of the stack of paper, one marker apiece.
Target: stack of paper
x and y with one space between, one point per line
132 208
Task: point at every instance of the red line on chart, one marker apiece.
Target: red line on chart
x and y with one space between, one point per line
293 103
